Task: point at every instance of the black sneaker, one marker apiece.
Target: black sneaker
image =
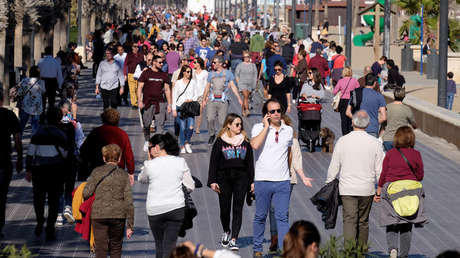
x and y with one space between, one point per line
211 139
233 246
225 240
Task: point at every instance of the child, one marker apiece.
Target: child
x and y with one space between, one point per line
451 90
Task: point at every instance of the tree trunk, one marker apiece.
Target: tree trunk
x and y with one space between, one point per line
355 16
92 23
27 48
317 13
84 31
38 44
57 36
326 12
18 43
64 31
2 66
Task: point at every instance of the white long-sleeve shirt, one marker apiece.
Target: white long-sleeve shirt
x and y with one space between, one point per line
109 75
50 68
357 160
191 92
165 176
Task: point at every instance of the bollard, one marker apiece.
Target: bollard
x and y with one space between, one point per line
407 59
432 65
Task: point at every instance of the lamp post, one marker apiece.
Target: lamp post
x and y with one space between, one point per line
442 66
348 32
386 32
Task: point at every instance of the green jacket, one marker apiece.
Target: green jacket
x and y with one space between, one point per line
257 43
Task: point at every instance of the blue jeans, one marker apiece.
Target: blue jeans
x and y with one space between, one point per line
24 118
375 134
280 194
185 129
271 217
387 145
450 100
234 63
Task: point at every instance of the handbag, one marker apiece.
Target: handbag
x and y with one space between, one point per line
189 109
337 97
16 97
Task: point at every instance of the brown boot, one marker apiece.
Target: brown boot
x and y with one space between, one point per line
274 243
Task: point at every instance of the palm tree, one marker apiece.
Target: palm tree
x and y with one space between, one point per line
326 12
19 13
4 10
317 5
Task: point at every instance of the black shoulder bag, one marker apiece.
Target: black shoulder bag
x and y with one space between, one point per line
407 162
188 109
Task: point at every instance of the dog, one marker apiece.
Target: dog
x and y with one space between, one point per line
327 139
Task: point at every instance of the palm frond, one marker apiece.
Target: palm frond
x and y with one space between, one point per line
3 14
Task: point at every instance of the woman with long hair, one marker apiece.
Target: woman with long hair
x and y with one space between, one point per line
185 90
246 78
402 162
314 90
302 240
231 175
201 76
165 174
279 88
345 85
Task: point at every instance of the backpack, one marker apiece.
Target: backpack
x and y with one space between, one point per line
356 97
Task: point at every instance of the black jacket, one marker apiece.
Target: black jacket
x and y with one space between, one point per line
327 201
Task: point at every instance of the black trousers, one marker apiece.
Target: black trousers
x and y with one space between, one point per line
47 183
51 86
346 121
233 184
110 97
108 236
165 229
6 172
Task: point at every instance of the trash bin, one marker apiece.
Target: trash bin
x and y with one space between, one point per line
407 59
432 65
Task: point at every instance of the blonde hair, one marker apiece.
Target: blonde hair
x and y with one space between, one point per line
111 153
347 72
229 120
287 121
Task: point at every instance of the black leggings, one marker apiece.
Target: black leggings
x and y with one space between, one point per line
165 229
346 121
110 97
232 183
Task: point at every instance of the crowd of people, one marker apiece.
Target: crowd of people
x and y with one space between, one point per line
167 61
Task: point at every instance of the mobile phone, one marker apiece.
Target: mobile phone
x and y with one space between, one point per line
269 120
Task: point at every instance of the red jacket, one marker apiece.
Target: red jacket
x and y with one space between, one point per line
104 135
319 63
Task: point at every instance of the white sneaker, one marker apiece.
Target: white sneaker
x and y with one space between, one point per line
146 146
182 150
225 239
59 220
394 253
188 148
68 214
233 245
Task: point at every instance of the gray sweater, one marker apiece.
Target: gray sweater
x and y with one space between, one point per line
246 74
108 75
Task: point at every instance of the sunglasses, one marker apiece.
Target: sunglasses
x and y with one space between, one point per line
277 134
214 62
310 73
278 70
273 111
160 62
188 71
238 124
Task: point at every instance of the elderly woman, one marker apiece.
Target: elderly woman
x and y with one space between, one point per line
113 204
344 86
402 164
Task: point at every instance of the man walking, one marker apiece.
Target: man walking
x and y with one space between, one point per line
10 128
51 73
129 67
120 58
154 95
272 141
357 162
372 102
216 89
109 80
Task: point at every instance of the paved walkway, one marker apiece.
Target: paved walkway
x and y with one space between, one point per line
442 181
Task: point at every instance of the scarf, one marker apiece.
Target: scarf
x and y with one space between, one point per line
236 140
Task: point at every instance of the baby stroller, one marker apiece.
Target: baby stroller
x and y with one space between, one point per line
309 116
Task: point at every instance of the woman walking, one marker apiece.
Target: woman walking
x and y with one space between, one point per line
402 164
344 86
279 88
201 76
185 90
231 175
110 185
165 173
246 78
31 91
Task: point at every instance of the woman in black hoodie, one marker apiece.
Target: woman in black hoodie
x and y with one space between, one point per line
231 174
